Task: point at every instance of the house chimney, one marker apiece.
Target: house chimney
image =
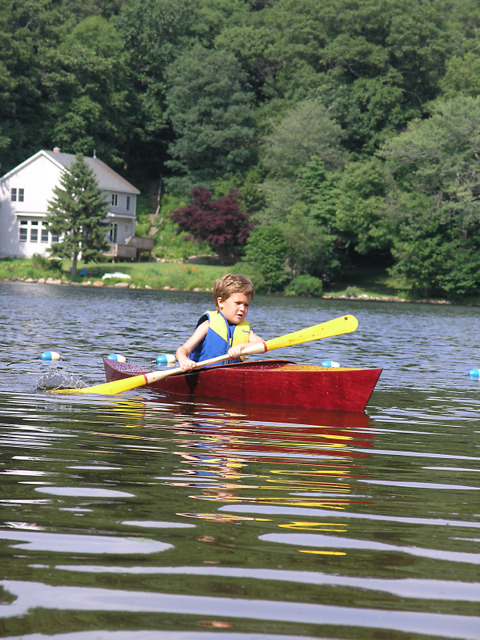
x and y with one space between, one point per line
56 149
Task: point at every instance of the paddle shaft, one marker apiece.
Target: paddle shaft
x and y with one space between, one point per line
345 324
118 386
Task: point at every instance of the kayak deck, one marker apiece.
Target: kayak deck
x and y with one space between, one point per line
274 382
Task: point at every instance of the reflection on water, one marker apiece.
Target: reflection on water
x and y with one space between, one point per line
142 516
60 543
30 595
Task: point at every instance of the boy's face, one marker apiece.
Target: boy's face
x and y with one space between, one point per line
234 308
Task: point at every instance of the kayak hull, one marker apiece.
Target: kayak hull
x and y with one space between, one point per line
272 382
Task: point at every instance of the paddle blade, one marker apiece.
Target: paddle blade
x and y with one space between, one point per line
110 388
345 324
118 386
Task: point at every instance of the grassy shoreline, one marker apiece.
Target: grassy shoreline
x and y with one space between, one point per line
177 276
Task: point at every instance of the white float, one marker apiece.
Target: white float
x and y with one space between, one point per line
117 357
165 358
50 355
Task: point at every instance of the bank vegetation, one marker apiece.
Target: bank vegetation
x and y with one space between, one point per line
301 139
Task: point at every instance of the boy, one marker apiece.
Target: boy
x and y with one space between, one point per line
224 330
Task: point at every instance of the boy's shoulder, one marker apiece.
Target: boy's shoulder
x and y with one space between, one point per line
205 317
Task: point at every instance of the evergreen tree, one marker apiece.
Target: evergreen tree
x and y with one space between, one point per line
77 214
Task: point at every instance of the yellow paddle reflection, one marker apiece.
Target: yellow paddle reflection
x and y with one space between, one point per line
266 459
323 553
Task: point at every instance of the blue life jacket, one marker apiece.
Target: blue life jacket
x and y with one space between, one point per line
220 337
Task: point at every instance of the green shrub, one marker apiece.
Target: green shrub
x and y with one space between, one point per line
248 270
142 229
45 264
172 244
266 251
305 286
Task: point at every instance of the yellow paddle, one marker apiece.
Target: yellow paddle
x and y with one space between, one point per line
345 324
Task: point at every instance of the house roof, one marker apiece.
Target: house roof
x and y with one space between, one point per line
107 178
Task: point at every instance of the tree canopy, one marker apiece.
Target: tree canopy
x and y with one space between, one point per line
352 120
209 106
436 168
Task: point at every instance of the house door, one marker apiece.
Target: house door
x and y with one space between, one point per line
113 233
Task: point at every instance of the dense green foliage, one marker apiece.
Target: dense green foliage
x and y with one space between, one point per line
436 169
76 214
308 286
266 252
348 127
210 111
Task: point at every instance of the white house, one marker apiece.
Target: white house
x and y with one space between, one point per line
26 190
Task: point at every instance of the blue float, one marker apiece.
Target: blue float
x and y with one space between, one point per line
329 363
117 357
50 355
165 358
474 373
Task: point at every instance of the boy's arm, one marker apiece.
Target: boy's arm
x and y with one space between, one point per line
186 349
236 352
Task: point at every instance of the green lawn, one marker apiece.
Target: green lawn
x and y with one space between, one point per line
184 277
374 283
187 277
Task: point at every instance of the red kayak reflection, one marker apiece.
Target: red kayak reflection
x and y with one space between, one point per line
270 455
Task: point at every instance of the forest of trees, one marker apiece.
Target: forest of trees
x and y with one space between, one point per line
347 131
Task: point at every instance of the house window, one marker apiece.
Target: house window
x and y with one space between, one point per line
113 233
34 231
17 194
127 228
114 199
128 203
23 230
54 237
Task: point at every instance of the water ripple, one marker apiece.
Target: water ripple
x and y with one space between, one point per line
406 588
28 595
70 543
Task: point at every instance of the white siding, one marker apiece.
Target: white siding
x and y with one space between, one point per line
38 177
120 209
125 227
125 220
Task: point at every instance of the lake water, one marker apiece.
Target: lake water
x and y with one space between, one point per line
143 517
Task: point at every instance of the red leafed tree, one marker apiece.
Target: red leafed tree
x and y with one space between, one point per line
221 223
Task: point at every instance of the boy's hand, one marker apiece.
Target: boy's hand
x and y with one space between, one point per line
235 352
187 364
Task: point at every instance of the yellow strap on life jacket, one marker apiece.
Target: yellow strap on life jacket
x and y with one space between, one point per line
241 333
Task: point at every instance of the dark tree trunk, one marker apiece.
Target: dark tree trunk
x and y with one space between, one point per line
74 264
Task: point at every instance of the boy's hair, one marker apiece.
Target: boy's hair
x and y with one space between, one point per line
232 283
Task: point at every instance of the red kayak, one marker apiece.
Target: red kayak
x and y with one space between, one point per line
274 382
